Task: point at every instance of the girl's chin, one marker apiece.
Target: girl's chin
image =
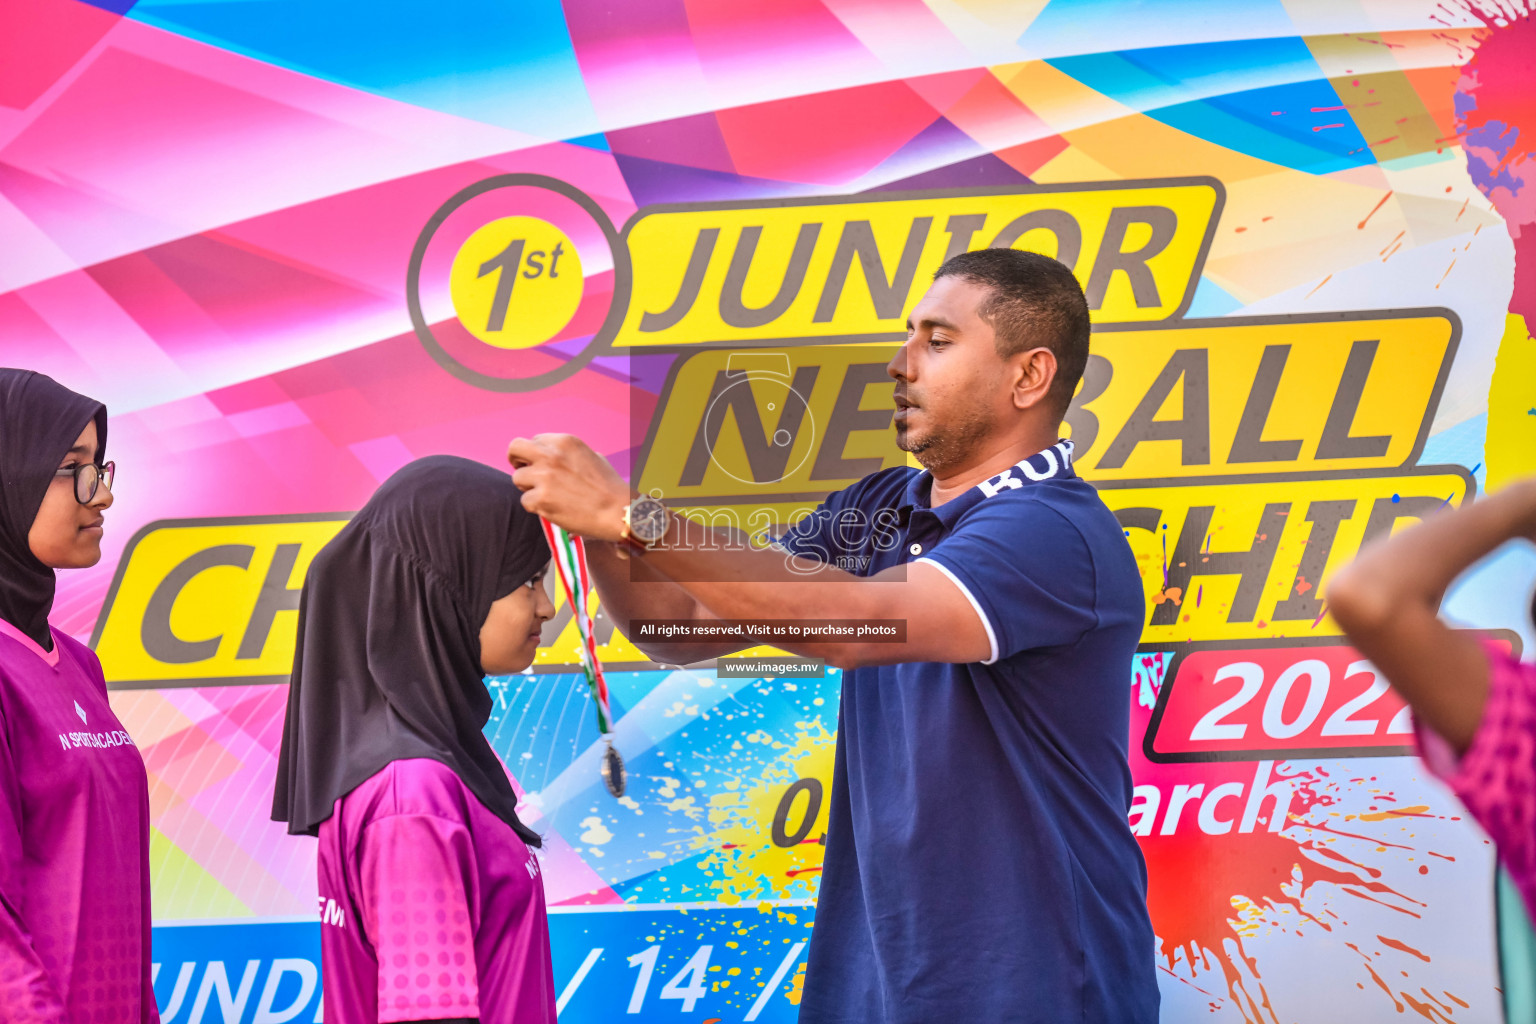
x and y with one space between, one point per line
83 556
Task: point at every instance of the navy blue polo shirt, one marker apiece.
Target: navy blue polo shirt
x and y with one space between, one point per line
979 865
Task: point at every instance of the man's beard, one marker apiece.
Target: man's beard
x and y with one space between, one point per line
949 444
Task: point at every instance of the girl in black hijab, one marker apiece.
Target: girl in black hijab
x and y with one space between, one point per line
74 797
432 903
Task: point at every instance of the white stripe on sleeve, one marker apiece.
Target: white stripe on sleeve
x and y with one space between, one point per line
980 613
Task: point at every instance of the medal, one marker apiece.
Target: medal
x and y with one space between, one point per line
570 558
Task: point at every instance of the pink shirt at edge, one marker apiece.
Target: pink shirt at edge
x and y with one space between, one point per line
1496 777
74 844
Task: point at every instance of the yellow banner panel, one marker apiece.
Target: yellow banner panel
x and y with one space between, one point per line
199 601
1268 395
732 272
1243 560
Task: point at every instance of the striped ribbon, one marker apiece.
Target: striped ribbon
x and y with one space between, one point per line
571 566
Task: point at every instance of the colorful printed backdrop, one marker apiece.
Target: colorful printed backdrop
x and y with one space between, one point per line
294 245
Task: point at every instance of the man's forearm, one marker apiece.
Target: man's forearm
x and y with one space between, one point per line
736 581
726 574
733 580
701 572
569 484
630 588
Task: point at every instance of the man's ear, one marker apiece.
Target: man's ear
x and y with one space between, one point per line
1036 372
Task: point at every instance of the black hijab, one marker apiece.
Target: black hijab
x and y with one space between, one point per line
39 422
388 659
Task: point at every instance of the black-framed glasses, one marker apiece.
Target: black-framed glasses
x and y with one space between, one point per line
88 478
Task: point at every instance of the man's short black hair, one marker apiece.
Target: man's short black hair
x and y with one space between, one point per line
1035 303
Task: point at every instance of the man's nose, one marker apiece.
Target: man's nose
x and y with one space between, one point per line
897 367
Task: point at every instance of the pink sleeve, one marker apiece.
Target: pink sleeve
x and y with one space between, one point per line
1496 777
149 1007
418 877
27 993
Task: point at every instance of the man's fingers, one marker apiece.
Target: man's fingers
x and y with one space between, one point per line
523 451
558 442
534 499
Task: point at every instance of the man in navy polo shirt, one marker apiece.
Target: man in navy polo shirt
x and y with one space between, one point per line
979 865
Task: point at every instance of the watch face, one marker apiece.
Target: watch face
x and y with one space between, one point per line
648 519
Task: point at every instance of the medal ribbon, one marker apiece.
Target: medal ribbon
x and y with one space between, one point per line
571 566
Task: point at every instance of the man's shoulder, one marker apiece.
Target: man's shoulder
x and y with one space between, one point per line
1053 519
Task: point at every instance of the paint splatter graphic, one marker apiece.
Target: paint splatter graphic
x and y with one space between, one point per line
1496 117
1496 114
752 857
1305 851
1206 901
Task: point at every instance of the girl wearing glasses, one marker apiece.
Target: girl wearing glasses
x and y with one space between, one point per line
431 900
74 797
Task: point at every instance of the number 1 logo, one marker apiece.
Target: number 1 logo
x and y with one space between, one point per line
516 282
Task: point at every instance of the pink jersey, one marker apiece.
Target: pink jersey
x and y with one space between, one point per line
74 844
430 906
1496 777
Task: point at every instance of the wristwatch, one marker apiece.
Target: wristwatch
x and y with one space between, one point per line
645 522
